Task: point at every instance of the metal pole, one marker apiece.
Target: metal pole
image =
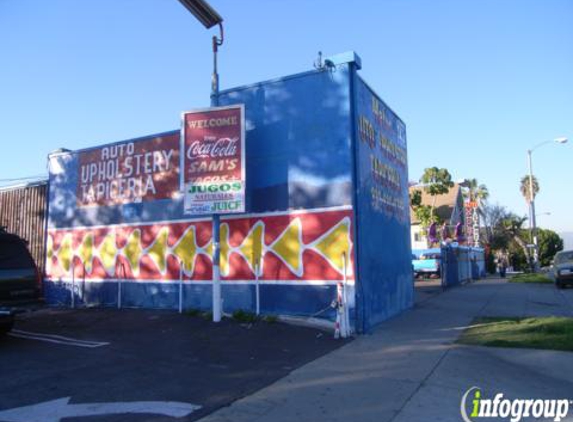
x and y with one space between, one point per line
180 287
217 311
73 284
216 269
84 284
257 290
119 290
532 223
346 316
469 264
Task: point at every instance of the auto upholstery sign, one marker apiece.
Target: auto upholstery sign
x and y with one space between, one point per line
214 160
129 172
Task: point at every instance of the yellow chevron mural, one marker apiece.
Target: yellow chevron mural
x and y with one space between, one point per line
334 244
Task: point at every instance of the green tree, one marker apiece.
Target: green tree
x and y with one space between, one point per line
524 187
513 228
436 181
507 235
492 216
549 244
422 212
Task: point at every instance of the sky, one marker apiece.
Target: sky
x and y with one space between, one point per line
477 82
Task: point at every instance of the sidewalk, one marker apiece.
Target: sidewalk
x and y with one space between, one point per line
410 369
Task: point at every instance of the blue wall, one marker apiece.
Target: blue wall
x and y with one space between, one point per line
274 299
385 283
298 154
298 140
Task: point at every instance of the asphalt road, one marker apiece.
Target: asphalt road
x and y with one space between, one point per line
151 356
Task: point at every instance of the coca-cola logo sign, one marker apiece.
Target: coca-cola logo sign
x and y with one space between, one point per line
214 155
224 147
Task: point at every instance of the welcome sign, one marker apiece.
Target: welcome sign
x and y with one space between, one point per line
213 147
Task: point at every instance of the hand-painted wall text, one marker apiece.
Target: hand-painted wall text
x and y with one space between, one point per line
388 159
129 172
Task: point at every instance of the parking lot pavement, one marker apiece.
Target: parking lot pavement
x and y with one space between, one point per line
113 357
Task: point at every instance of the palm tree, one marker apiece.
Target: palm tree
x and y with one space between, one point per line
524 188
476 192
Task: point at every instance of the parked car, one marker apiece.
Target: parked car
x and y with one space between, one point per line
20 281
563 268
429 264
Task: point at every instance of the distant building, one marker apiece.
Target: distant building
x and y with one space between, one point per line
448 207
23 211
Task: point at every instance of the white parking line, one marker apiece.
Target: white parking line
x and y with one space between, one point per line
52 338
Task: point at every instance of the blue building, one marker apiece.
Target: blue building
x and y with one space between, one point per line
326 199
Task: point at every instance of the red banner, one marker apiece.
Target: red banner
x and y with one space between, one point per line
303 246
129 172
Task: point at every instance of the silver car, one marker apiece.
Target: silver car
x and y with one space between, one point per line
563 268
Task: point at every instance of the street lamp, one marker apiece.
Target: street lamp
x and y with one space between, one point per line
209 18
203 12
532 225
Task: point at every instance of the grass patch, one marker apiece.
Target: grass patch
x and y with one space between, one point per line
551 333
530 278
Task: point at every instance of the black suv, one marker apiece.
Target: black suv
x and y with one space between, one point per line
20 281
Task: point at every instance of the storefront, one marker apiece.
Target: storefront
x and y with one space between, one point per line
325 200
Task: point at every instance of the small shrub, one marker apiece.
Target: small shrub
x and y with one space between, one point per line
271 319
193 312
241 315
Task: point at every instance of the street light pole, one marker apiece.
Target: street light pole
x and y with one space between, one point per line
209 18
532 222
217 297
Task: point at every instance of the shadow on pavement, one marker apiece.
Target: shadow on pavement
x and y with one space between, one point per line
152 356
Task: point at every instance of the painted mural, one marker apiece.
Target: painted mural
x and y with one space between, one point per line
309 246
128 172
